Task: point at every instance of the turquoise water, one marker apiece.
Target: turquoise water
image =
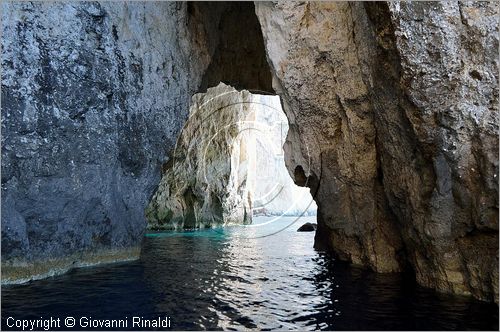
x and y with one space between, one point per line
261 227
259 277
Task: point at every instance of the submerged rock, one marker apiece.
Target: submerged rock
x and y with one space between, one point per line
307 227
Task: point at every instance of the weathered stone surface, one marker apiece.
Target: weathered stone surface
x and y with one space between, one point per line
392 111
227 164
239 56
396 105
93 98
207 182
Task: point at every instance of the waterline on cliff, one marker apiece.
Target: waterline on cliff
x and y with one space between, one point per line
212 279
15 273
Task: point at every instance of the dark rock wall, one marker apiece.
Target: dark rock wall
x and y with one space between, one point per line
94 95
93 98
239 59
440 178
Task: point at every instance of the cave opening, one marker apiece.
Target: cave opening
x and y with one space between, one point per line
228 165
389 113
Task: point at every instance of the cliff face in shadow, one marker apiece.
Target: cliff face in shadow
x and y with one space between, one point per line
93 98
396 105
228 162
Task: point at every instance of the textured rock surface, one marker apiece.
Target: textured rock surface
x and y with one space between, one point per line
239 56
392 111
307 227
207 181
396 105
227 163
93 98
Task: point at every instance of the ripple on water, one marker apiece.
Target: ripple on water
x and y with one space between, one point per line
225 279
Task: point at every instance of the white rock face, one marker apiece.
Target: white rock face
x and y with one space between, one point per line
206 181
227 163
274 191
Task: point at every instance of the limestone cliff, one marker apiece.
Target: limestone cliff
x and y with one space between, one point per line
392 111
228 162
398 104
275 192
207 182
93 97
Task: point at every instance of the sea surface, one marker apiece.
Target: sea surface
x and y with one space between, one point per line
267 276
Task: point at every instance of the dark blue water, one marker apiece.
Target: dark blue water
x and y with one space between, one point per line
236 279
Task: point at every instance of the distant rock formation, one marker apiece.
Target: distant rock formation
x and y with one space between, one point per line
93 97
275 192
207 182
228 161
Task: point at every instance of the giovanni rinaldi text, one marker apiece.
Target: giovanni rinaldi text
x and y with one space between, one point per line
86 322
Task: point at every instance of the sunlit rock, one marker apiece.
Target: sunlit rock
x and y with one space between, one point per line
228 163
206 182
94 95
